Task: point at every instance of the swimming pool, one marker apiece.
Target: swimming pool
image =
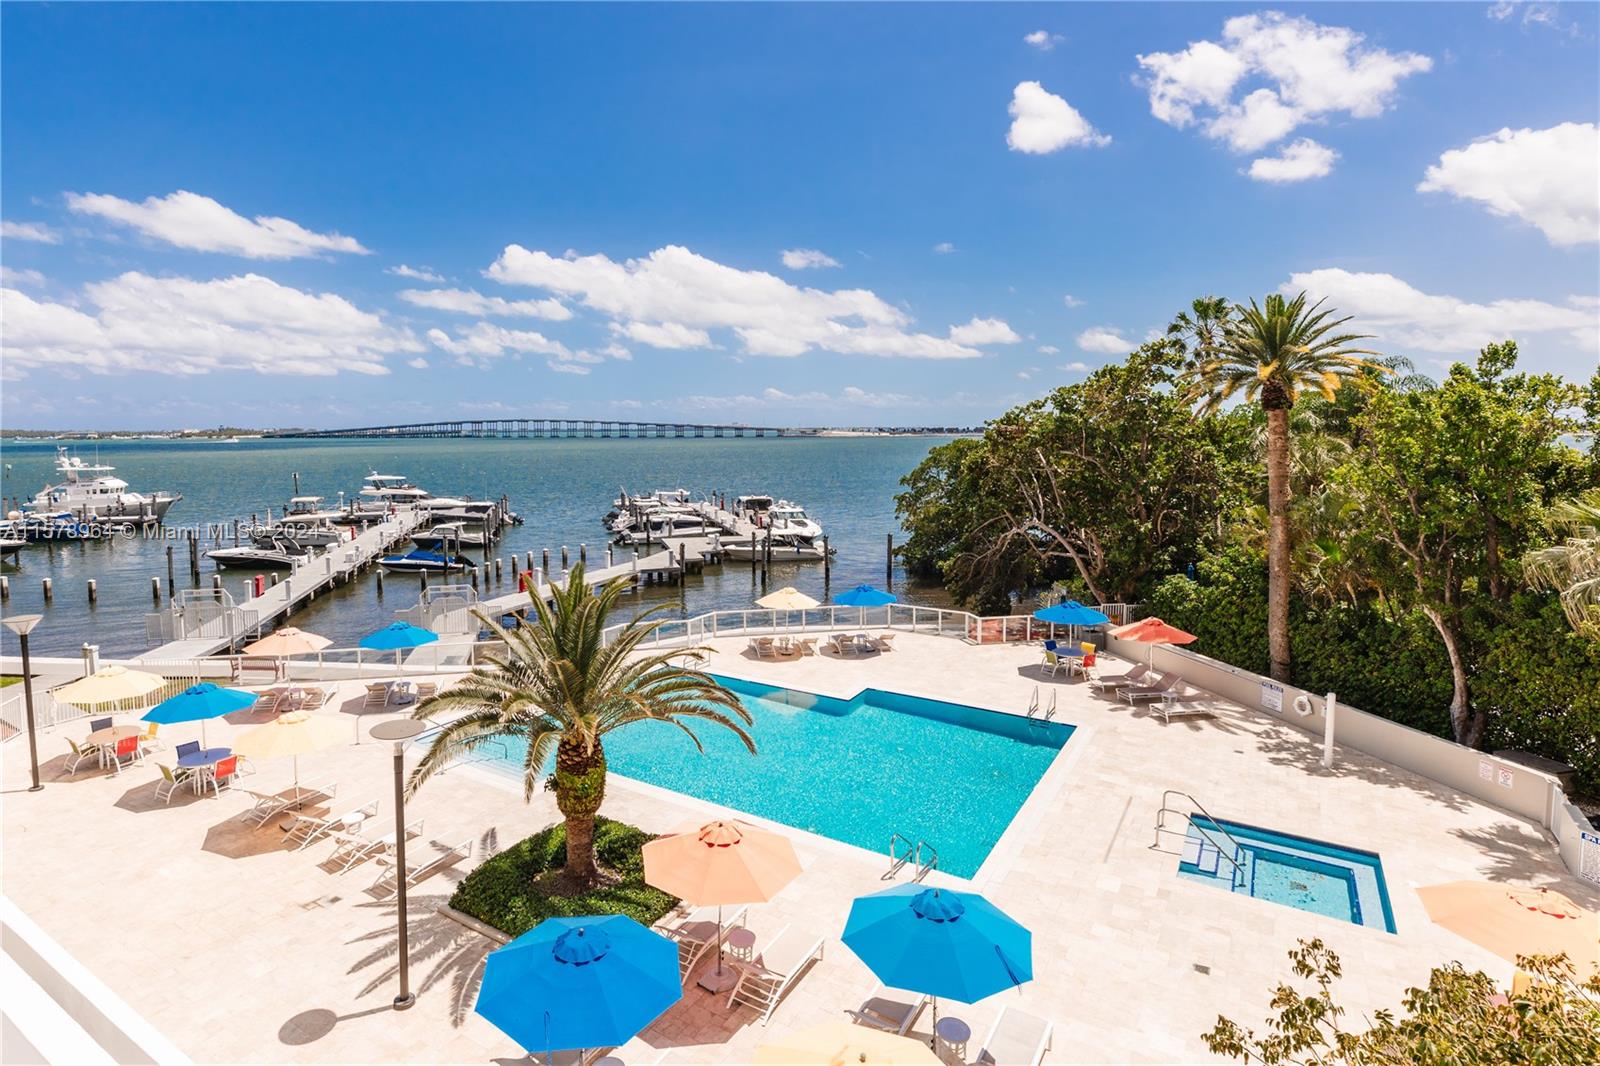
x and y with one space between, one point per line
1310 875
856 770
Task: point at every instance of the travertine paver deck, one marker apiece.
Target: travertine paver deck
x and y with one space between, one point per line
241 951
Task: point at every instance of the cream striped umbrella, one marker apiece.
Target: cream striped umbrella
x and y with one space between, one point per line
110 684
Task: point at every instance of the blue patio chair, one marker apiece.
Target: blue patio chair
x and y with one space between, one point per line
184 749
99 723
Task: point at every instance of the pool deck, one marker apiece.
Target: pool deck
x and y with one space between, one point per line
239 950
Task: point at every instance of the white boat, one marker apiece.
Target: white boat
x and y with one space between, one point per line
666 524
392 488
795 535
786 547
89 491
446 535
276 556
784 517
10 545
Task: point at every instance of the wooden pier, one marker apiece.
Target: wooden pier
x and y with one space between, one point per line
205 621
547 429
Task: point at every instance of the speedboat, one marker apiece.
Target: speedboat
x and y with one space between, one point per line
10 544
791 518
448 534
414 562
787 547
392 488
666 524
277 556
89 491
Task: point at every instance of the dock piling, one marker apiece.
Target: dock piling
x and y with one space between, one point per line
49 593
888 560
94 593
171 584
564 563
5 589
155 589
583 553
827 563
544 560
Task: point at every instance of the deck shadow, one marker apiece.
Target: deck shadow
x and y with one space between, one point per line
1521 854
1286 746
444 952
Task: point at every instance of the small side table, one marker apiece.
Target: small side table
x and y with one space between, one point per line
722 976
953 1035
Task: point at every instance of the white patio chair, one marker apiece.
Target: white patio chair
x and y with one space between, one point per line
1017 1038
696 934
307 829
767 978
890 1010
389 866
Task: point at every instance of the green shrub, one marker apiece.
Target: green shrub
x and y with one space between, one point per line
502 891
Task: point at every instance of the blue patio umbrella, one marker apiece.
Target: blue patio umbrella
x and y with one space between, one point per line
575 983
1071 613
197 703
939 942
397 637
864 596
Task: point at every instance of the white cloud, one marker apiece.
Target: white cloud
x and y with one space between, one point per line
1076 367
618 352
469 302
1049 349
1071 300
674 287
484 340
984 331
668 335
1290 69
1043 40
1300 161
1401 315
29 231
15 276
418 363
807 259
1533 14
1106 340
1550 178
1042 122
1023 375
414 273
943 248
849 396
182 326
199 223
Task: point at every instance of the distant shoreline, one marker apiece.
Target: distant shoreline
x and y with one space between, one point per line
90 436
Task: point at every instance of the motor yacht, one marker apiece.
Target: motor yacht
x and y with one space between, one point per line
88 490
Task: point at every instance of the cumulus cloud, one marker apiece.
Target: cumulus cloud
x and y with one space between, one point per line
984 331
15 276
29 231
1106 340
414 273
850 396
1042 122
135 322
1270 74
469 302
1549 178
807 259
669 335
418 363
199 223
483 342
1071 300
943 248
1076 367
1049 349
1404 316
674 287
1301 161
1043 40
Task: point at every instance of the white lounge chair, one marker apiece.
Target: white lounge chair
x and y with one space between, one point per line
1135 676
307 829
448 855
766 978
426 690
1161 687
266 806
377 696
1172 705
1017 1038
353 847
890 1009
696 934
884 641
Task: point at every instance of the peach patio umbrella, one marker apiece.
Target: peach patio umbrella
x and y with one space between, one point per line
1512 921
843 1044
720 863
294 734
1152 631
287 641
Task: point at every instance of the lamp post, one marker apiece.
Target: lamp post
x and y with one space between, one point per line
400 730
22 625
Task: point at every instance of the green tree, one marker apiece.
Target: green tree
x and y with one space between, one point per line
1459 1019
1572 566
1199 330
1453 480
1269 355
560 687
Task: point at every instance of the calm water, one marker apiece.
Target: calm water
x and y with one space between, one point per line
561 488
858 770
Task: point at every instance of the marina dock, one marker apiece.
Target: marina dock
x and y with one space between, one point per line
208 621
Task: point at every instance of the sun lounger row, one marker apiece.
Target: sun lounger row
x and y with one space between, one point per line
860 643
782 647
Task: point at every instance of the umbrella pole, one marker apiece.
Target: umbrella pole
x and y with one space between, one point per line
933 1041
719 941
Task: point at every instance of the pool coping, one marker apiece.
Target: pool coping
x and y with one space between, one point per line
998 862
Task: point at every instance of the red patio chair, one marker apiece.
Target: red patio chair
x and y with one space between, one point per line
127 748
222 775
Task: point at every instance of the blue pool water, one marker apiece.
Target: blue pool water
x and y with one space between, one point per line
856 770
1310 875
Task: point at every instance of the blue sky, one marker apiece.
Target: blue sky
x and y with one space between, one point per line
206 207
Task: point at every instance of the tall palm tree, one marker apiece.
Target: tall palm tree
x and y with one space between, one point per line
1573 566
1270 354
1200 329
561 687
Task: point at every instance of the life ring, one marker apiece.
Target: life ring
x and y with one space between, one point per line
1302 705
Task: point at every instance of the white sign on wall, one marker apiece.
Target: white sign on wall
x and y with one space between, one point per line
1589 856
1271 697
1507 779
1485 770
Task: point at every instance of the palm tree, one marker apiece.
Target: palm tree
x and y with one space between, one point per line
1200 333
561 687
1573 566
1270 354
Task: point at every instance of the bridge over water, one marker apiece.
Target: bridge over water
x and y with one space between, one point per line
547 429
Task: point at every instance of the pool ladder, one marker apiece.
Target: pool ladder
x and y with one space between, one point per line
1038 715
1206 838
912 856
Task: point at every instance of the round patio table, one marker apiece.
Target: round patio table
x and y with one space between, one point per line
198 760
113 733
